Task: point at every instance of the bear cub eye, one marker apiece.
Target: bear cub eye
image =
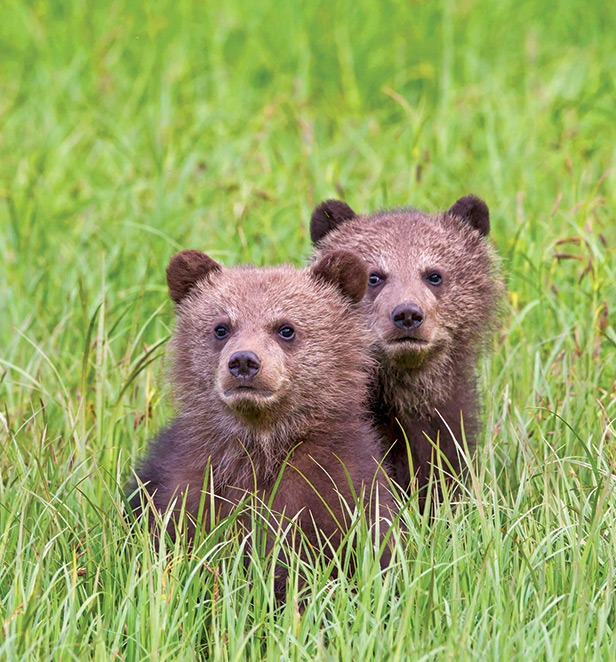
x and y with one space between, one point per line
375 279
286 332
221 331
434 278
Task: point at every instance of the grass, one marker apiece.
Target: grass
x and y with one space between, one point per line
128 131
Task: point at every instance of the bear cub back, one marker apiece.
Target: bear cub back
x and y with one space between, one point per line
270 368
433 292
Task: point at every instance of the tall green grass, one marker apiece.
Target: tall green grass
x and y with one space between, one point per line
130 130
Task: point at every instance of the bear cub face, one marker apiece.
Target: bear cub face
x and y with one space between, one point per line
432 284
261 348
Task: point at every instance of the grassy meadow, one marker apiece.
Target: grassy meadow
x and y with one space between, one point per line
131 130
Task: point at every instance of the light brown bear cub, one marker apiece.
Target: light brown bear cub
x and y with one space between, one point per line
269 365
433 290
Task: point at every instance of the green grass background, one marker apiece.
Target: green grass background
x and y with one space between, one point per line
128 131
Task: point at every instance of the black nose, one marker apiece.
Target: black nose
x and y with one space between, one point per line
407 316
244 365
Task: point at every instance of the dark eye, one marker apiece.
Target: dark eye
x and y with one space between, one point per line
434 278
286 332
375 279
221 331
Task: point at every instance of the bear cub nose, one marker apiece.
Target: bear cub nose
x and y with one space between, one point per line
407 316
244 365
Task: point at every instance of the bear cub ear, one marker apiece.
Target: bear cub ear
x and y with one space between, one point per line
185 269
474 211
328 216
346 271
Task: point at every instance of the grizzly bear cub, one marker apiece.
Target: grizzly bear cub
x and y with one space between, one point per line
433 290
270 372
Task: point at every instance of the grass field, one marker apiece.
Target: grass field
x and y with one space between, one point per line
129 131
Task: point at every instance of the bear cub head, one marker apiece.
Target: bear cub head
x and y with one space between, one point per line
263 352
433 282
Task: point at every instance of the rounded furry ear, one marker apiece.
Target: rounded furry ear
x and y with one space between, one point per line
346 271
474 211
327 216
187 268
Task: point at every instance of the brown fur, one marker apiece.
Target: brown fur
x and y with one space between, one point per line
307 402
424 388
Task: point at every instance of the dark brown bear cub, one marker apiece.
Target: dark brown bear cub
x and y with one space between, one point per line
270 372
433 290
